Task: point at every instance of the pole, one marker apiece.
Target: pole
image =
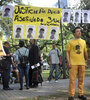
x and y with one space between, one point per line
63 56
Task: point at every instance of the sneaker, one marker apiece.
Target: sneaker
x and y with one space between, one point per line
47 81
21 89
27 88
70 98
56 81
7 88
82 97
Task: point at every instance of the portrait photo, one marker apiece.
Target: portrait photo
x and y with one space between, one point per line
77 16
42 32
66 14
30 31
19 31
53 33
7 11
85 16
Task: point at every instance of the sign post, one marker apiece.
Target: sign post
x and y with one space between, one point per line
63 55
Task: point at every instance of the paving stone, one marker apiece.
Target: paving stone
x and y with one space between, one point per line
46 89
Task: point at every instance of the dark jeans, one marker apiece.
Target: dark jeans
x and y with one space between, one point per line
6 77
30 76
54 67
23 71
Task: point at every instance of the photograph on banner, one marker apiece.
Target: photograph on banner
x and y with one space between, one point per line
18 31
2 52
66 15
30 31
42 32
53 33
7 11
77 16
85 16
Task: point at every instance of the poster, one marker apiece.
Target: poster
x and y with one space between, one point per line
7 11
66 15
39 19
85 16
2 53
30 31
53 33
77 16
42 32
18 31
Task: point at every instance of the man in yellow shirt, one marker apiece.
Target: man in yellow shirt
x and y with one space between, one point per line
75 52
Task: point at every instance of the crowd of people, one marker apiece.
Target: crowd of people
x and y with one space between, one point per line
27 62
22 60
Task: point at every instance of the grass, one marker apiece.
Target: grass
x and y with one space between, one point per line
45 73
87 72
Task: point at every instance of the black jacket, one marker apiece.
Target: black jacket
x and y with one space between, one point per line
34 57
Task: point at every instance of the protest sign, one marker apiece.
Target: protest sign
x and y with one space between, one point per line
35 22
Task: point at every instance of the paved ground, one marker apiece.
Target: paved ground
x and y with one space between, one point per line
51 88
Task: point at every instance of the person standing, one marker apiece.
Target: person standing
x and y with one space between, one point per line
34 58
6 67
23 68
75 52
54 61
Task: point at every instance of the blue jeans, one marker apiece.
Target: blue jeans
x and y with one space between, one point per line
54 67
23 71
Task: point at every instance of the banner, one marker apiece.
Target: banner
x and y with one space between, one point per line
36 22
2 53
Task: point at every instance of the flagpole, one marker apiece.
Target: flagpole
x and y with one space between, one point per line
63 56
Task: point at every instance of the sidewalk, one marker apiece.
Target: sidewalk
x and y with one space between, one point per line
51 88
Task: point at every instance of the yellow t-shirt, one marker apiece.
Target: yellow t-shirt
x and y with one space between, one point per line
77 48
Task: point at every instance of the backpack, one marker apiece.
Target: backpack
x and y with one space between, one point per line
23 59
37 77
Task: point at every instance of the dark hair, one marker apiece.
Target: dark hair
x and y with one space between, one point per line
66 13
6 43
30 29
76 29
18 28
53 30
41 29
7 9
76 13
85 14
21 43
